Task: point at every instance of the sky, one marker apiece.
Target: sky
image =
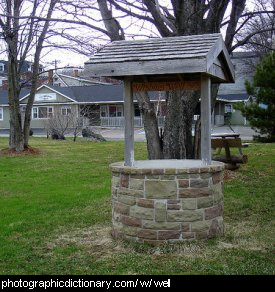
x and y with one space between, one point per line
67 58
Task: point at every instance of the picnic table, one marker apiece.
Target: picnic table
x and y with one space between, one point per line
228 141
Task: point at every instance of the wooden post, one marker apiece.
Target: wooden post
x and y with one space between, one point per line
206 120
128 123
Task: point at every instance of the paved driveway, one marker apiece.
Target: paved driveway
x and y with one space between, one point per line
246 133
113 134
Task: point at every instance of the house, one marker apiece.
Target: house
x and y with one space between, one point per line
67 80
224 112
98 105
26 74
101 103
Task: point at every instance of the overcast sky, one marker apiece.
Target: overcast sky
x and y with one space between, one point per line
65 58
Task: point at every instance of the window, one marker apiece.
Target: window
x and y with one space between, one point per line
119 111
137 111
2 67
1 114
66 111
42 112
112 111
50 112
103 111
228 108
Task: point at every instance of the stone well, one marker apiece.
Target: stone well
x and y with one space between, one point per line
167 200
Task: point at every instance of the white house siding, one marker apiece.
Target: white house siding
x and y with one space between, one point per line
5 123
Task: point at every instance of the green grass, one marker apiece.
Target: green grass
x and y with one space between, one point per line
55 217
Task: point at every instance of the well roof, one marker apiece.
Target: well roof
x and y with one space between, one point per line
174 55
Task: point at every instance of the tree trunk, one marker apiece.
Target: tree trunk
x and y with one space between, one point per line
154 145
16 139
197 139
177 143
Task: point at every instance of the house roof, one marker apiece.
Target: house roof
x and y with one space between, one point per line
175 55
82 94
96 93
233 97
105 94
80 79
4 100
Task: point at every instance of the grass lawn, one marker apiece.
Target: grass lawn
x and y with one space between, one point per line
55 216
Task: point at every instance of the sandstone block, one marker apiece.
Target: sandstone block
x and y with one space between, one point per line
127 200
158 171
136 184
173 201
205 202
160 189
137 176
189 204
167 177
145 203
121 208
115 181
147 234
165 235
142 213
199 183
131 230
173 207
170 171
184 216
183 183
205 175
194 192
183 176
185 227
129 192
188 235
214 228
152 176
160 211
213 212
201 226
124 180
161 225
194 175
217 193
182 170
130 221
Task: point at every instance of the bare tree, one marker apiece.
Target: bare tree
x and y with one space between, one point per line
22 35
178 18
258 32
59 125
114 20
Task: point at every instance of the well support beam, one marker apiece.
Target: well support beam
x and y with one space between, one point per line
129 153
206 120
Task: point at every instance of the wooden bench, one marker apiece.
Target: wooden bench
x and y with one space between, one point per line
228 142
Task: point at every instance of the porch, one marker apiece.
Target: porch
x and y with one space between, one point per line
119 122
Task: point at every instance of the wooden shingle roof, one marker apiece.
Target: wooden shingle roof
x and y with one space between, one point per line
175 55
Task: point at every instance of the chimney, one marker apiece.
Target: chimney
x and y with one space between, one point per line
50 77
75 73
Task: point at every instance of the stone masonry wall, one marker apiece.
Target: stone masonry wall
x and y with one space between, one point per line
157 205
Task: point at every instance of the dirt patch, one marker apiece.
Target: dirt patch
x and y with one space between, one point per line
29 151
97 241
230 174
